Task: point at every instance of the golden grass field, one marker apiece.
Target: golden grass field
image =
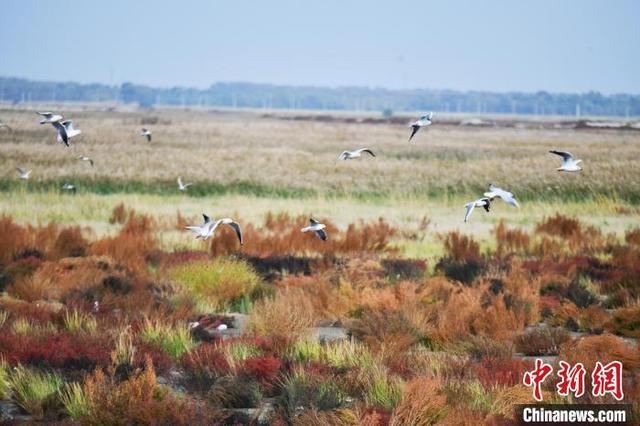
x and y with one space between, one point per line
230 147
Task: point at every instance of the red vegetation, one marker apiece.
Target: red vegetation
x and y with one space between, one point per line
500 371
56 350
264 369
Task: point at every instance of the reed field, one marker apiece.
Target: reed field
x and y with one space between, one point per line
112 313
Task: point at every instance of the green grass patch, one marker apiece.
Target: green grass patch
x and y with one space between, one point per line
35 391
223 283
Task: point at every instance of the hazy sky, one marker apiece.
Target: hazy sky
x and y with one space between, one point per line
500 45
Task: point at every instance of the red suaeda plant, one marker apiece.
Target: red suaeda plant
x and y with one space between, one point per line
264 369
207 360
159 358
500 371
57 350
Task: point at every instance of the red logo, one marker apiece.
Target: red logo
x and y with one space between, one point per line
571 379
536 377
607 379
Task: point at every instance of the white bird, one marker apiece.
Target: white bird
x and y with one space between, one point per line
65 131
62 136
350 155
69 187
146 133
317 228
85 158
24 173
423 121
206 230
222 327
481 202
49 117
183 186
569 164
71 132
5 126
506 196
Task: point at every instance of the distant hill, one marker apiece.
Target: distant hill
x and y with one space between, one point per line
250 95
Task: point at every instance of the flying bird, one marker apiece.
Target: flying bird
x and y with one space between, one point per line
569 164
85 158
69 187
146 133
183 186
4 125
481 202
206 230
24 173
506 196
423 121
316 227
71 132
350 155
65 131
49 117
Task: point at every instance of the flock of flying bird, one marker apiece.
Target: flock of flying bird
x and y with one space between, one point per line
65 131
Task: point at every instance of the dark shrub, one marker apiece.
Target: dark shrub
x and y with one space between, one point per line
117 285
580 295
463 271
404 269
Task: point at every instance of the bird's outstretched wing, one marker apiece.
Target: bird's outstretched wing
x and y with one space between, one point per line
62 133
368 151
236 227
468 210
207 219
321 233
564 154
21 170
415 128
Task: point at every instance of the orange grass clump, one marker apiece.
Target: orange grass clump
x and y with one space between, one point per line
422 403
138 400
289 314
133 243
604 348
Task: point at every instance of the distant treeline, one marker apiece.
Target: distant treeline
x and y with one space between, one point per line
249 95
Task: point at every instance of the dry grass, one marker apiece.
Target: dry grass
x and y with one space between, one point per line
286 154
288 314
